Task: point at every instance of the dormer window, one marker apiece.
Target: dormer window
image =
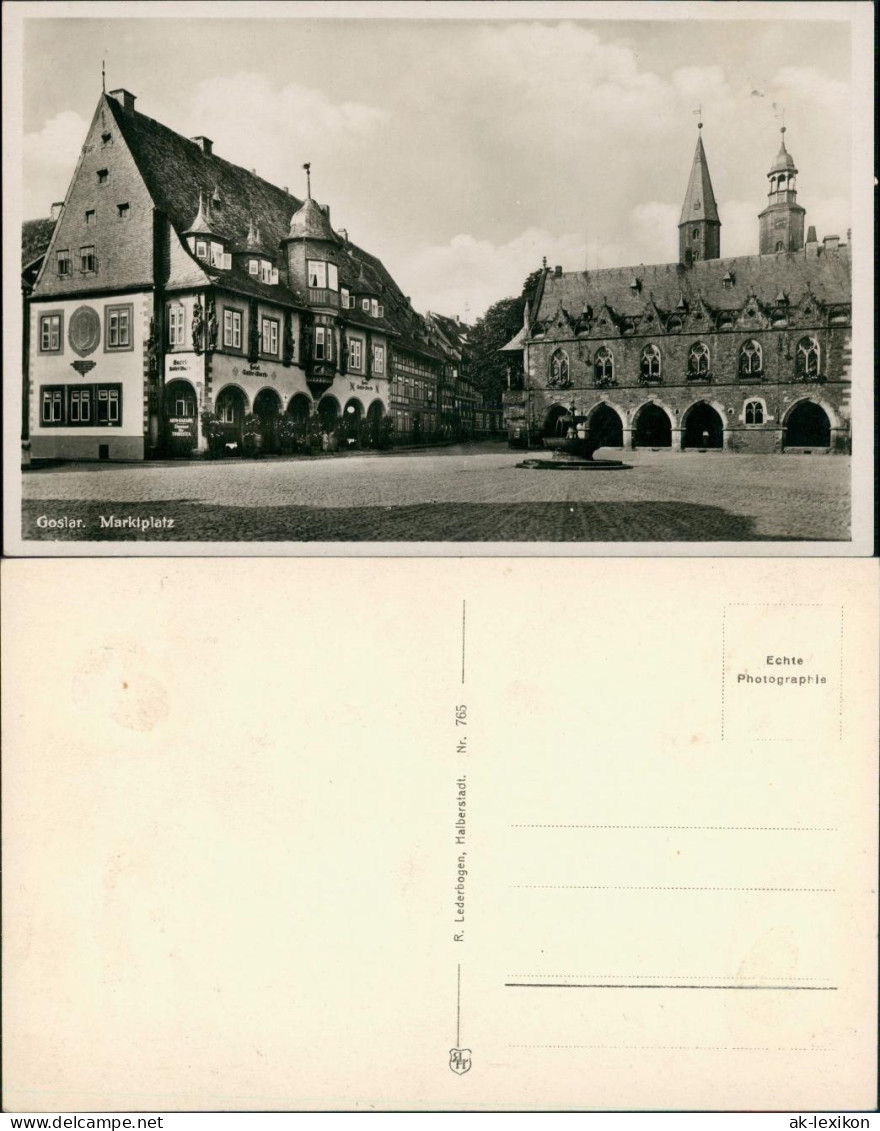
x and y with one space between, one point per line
201 249
254 267
265 272
380 312
216 254
345 297
374 307
365 305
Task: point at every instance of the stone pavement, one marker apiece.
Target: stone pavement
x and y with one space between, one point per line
456 494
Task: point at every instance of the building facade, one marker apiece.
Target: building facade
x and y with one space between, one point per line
177 300
748 354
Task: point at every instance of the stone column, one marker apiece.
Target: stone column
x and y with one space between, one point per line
678 439
628 439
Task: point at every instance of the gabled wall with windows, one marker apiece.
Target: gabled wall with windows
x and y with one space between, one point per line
108 210
87 376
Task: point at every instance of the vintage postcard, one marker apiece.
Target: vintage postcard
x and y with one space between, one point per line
438 278
493 833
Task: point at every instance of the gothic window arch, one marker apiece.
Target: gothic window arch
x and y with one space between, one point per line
754 412
807 358
698 360
649 367
750 359
604 365
559 369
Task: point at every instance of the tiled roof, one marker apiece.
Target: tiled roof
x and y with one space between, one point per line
176 170
35 237
825 272
310 222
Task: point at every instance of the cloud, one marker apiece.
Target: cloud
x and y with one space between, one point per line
49 157
466 275
259 125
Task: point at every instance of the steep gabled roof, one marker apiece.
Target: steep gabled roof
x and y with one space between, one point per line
699 200
176 170
825 273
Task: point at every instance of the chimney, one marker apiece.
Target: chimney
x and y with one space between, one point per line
830 242
204 143
811 234
326 210
286 189
55 210
125 99
344 233
557 271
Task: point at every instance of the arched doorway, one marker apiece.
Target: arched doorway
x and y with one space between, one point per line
231 408
352 415
605 427
807 426
181 422
652 428
703 427
328 413
374 418
267 407
300 408
556 421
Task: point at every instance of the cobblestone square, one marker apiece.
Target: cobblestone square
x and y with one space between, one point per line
470 493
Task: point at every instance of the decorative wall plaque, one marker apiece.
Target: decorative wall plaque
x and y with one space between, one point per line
84 331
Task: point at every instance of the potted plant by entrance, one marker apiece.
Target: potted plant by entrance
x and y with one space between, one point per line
251 436
212 430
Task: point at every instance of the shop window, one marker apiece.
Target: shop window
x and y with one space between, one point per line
52 404
50 333
80 406
109 404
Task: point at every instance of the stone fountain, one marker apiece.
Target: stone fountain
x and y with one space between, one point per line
573 451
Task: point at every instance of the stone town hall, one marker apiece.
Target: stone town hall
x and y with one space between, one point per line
748 354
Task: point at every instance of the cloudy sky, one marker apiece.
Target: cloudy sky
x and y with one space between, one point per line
461 151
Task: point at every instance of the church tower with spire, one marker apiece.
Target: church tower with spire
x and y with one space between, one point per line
699 229
782 221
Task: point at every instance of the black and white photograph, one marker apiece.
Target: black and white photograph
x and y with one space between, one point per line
446 275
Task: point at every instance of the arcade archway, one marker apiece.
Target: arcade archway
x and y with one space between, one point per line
703 427
267 407
653 428
181 419
231 407
605 427
807 426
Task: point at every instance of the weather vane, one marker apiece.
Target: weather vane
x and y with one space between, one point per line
699 113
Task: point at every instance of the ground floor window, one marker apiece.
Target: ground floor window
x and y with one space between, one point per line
81 405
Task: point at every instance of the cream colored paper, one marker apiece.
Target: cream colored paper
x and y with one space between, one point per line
232 804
